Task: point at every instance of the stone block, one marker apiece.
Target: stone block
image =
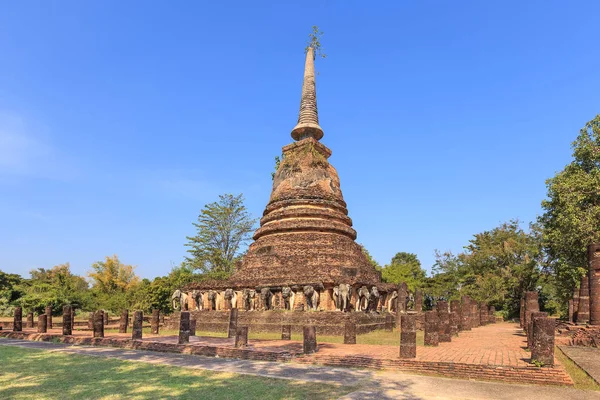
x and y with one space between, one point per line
465 314
529 331
286 332
154 322
350 332
431 328
90 323
184 327
124 321
408 336
583 312
42 323
105 316
99 324
444 331
192 326
67 327
241 336
454 317
531 306
542 348
233 320
138 323
49 317
18 320
29 320
389 323
310 339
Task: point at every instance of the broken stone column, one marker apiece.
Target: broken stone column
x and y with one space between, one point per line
594 282
49 316
72 317
483 313
431 328
310 339
465 314
42 323
542 348
286 332
492 315
29 323
475 322
91 321
575 303
154 322
99 324
124 321
138 325
408 336
241 336
454 317
184 327
192 326
532 316
350 332
401 300
522 313
105 316
389 323
418 301
18 320
444 332
531 306
233 319
583 313
571 311
67 327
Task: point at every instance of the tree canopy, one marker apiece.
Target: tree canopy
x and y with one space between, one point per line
405 267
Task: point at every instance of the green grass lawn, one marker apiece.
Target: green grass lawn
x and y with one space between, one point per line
40 374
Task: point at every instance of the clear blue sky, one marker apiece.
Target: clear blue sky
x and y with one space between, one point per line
120 120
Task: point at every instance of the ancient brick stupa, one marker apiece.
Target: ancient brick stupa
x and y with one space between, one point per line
305 236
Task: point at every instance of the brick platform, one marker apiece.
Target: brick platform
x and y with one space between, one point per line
492 352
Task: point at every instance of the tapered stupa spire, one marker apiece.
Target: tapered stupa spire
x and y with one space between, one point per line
308 118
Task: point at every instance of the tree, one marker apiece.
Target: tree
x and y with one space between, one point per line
405 267
314 41
571 219
223 228
10 291
111 280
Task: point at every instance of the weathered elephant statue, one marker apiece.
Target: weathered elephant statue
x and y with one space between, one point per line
197 297
391 301
266 297
374 299
249 299
362 304
344 291
312 297
179 300
212 299
230 296
288 297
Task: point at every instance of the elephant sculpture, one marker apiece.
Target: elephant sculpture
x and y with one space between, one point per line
266 297
364 297
231 297
249 299
374 299
392 304
212 299
197 297
288 297
312 297
179 300
343 300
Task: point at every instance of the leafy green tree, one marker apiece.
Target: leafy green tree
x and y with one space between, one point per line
111 280
223 228
405 267
571 218
10 291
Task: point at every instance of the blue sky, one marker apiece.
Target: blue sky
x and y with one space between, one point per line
119 121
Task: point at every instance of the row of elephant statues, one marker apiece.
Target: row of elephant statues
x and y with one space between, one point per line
366 300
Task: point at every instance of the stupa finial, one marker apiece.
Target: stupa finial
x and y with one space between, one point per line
308 118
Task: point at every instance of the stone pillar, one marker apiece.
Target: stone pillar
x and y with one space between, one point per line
49 316
138 324
418 301
105 316
155 321
522 313
310 339
29 321
233 319
465 314
408 336
72 318
401 300
531 305
90 321
67 328
18 320
454 317
350 332
483 313
184 328
42 323
431 328
444 333
192 326
286 332
575 303
241 336
583 313
124 321
492 315
389 323
571 311
532 316
99 324
542 348
594 282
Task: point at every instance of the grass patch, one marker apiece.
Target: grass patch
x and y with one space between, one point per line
581 379
40 374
